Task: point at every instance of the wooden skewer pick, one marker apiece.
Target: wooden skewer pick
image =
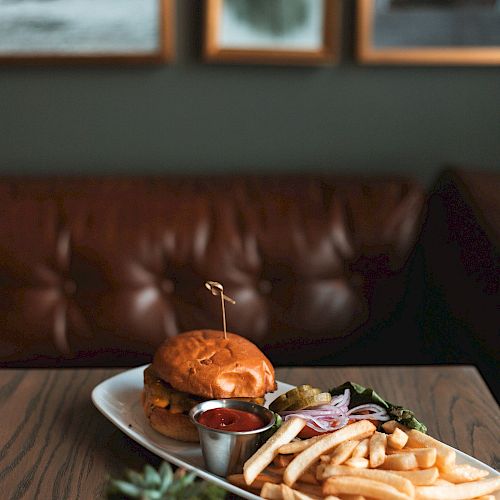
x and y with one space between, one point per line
217 289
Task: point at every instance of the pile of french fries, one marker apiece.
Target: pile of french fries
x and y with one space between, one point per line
359 463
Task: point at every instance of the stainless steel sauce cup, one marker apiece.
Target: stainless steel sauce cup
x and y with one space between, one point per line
225 452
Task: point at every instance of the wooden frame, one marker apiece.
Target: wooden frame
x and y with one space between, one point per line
328 53
165 52
368 53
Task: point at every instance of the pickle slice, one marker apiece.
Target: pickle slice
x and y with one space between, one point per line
298 389
281 402
310 400
293 397
301 396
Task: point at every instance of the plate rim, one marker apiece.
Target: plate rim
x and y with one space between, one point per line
143 440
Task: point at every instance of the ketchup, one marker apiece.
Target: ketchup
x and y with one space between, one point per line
228 419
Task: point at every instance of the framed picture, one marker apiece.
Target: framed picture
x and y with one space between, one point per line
460 32
272 31
39 31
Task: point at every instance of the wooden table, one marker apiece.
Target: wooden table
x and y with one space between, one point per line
54 444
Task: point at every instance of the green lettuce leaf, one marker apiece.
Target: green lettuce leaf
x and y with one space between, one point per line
362 395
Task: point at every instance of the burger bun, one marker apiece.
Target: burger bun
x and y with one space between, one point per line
213 366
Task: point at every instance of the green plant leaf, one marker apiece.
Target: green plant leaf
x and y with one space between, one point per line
167 476
135 477
122 487
181 483
152 495
151 477
163 484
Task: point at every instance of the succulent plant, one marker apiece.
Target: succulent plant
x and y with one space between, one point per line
163 484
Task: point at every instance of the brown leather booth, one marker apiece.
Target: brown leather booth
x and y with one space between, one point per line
99 270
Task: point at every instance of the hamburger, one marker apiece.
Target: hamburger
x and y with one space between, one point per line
200 365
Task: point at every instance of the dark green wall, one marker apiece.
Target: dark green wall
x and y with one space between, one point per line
198 117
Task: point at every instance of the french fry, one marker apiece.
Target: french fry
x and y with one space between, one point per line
308 477
290 494
362 449
445 456
319 470
378 443
442 482
425 477
296 494
400 461
458 491
400 483
265 454
271 491
426 457
272 469
287 492
343 451
397 439
362 486
313 490
298 446
305 459
282 460
358 462
391 425
464 473
258 483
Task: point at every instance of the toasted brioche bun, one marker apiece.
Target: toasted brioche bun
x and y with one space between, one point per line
204 363
174 425
201 363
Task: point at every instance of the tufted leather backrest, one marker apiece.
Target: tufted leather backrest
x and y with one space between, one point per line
101 270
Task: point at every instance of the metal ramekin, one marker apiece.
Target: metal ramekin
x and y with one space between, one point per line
225 452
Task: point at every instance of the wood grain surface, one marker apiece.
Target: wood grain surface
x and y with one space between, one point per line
54 444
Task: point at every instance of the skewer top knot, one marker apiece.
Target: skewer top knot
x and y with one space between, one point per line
217 289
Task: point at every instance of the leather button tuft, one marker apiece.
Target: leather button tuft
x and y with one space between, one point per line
167 286
265 287
69 287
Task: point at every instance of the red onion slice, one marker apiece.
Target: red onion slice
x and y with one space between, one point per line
376 412
321 424
324 418
317 412
342 399
336 414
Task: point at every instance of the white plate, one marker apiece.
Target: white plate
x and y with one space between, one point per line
118 399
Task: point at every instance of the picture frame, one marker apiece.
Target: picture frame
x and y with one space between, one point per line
276 36
428 32
79 32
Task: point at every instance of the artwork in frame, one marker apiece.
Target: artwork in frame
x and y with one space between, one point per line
425 32
129 31
272 31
